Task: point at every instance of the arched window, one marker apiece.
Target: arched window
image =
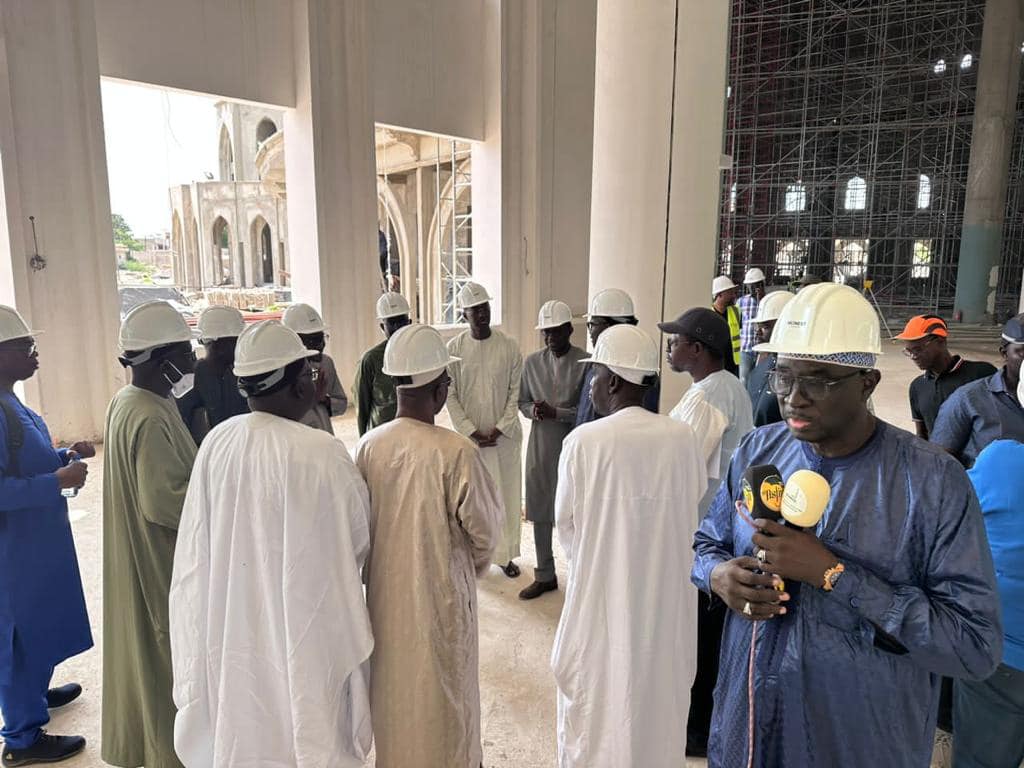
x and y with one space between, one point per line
265 130
221 252
924 191
940 67
796 197
732 198
967 61
856 194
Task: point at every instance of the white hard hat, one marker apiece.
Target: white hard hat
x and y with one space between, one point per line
150 325
417 351
770 307
721 284
753 275
392 305
611 302
628 352
553 314
473 295
220 323
268 346
302 318
12 326
826 319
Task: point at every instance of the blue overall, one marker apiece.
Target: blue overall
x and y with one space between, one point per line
43 618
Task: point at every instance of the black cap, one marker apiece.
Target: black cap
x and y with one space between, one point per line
1013 331
703 325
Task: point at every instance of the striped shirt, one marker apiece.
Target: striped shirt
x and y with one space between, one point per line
748 331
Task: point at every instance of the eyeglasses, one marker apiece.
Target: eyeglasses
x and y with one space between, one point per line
919 349
29 349
816 388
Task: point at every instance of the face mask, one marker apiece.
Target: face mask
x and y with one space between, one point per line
181 383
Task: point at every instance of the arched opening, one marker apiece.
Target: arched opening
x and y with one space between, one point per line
221 252
924 191
796 198
856 194
263 250
227 156
265 130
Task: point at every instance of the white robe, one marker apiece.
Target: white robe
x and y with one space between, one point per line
719 411
270 633
625 651
484 394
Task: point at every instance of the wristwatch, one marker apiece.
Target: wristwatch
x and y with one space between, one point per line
832 577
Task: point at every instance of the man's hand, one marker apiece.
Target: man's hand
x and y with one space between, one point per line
493 437
544 410
484 441
736 582
791 553
72 476
82 450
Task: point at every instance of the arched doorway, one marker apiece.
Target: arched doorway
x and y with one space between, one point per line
222 252
262 250
265 130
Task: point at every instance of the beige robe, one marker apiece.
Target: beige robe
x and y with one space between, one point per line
146 467
435 518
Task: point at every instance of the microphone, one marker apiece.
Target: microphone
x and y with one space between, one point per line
805 497
763 491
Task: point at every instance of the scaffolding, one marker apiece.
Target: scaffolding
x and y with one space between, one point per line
849 127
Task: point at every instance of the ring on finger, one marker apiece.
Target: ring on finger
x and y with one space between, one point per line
746 609
762 555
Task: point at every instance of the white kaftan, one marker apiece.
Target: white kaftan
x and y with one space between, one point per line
719 411
270 635
484 395
625 650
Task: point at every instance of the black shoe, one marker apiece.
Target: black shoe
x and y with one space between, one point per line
538 588
511 570
696 746
59 697
47 749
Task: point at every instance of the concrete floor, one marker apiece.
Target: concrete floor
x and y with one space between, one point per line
517 690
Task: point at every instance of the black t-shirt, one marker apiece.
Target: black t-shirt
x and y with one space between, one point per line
928 392
765 403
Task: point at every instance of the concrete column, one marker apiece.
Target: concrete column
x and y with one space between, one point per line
658 123
995 115
54 168
331 175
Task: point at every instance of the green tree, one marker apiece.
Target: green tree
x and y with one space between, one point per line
123 234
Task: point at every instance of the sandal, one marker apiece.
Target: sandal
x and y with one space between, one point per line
511 570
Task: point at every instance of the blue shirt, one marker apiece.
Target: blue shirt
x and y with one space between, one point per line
765 402
585 412
42 606
999 482
748 331
976 415
851 677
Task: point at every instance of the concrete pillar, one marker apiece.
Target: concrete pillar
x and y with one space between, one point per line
658 123
54 168
995 115
331 175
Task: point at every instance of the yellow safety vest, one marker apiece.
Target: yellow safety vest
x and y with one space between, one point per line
732 314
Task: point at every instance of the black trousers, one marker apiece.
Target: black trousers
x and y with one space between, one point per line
710 623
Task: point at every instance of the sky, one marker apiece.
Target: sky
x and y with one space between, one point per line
155 139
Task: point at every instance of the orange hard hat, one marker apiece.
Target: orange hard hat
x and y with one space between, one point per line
924 325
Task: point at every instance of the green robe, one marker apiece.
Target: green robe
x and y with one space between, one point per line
376 401
147 463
